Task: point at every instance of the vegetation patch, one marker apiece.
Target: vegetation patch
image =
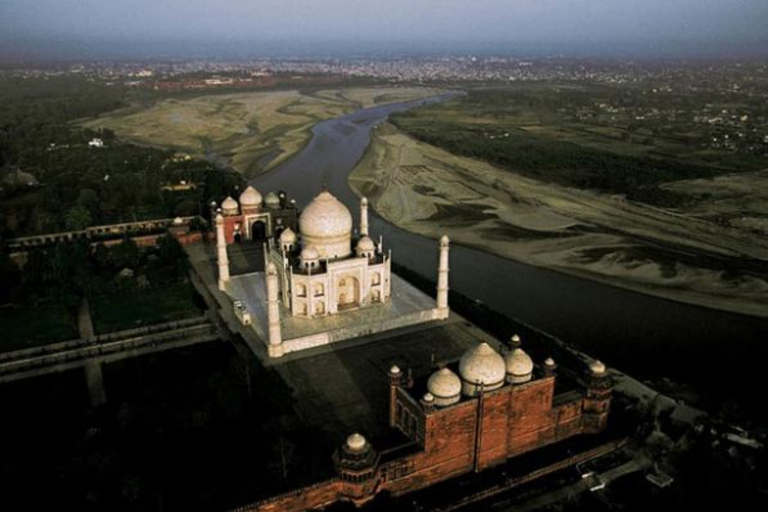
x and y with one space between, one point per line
26 327
144 307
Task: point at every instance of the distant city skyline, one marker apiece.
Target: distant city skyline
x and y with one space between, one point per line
204 28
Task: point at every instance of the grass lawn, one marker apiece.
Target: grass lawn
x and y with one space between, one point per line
29 327
143 307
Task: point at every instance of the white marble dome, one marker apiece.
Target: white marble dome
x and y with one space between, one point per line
445 386
326 224
288 236
356 443
597 367
519 366
365 247
250 198
309 254
229 206
272 201
481 365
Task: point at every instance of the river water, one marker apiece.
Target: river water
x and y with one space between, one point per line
646 336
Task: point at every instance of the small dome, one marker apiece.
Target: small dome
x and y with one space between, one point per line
519 366
364 201
445 386
250 197
272 200
597 367
428 397
549 362
288 236
481 365
229 206
365 244
395 370
444 240
356 443
309 254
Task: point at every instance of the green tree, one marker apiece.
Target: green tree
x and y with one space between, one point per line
77 218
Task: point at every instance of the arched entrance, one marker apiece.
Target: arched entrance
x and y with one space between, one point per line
238 237
258 231
347 292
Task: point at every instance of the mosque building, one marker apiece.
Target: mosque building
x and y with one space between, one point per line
255 218
466 417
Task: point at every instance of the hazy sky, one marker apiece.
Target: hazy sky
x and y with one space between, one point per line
552 21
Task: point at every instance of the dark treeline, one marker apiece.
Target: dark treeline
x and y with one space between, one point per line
485 124
70 271
51 180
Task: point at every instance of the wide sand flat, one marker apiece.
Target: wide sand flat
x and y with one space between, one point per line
678 255
252 132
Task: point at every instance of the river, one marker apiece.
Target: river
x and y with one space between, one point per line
720 352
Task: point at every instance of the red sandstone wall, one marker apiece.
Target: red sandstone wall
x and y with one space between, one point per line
494 436
534 422
318 495
229 227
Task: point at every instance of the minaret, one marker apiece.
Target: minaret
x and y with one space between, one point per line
275 348
221 251
442 279
364 216
395 381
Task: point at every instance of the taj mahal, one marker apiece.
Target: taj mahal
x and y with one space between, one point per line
323 281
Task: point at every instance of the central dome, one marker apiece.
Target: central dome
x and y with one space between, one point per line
326 225
481 367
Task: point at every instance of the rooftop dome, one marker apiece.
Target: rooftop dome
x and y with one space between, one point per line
549 362
356 443
481 365
272 200
395 370
229 206
309 254
597 367
327 225
519 366
250 198
365 246
445 386
288 236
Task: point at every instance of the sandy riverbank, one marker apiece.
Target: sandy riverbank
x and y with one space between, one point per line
252 132
677 255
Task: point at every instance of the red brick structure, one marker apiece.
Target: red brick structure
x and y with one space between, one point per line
254 217
460 422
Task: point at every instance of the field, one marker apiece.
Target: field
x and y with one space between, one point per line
144 307
251 132
680 254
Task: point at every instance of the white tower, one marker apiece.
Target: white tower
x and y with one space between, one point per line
442 278
364 216
275 348
221 251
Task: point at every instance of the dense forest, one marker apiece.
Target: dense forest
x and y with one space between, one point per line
602 138
51 179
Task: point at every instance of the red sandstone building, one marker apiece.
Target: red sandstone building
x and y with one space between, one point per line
254 218
488 410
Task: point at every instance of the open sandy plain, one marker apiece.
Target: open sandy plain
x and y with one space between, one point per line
251 132
675 254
